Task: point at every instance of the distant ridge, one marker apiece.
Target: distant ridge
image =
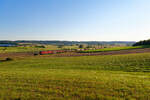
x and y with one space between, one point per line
58 42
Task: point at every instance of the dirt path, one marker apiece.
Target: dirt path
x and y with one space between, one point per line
69 54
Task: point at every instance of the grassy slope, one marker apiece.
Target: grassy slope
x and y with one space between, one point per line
115 49
90 78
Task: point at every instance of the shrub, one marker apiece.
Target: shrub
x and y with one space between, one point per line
42 46
9 59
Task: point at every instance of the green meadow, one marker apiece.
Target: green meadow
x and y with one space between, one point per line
111 77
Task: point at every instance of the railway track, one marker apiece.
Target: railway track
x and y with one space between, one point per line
72 54
146 50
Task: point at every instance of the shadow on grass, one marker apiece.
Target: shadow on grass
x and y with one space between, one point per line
145 46
7 59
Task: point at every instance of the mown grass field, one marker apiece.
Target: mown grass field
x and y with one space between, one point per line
111 77
115 49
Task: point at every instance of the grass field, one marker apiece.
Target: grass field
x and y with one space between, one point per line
115 49
117 77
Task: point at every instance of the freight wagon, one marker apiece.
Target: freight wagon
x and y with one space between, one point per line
51 52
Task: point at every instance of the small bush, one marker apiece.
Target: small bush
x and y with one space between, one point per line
42 46
9 59
35 54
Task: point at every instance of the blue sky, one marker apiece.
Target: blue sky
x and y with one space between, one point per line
91 20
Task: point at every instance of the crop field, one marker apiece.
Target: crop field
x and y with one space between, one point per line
115 49
109 77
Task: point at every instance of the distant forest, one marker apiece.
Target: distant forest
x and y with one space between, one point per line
144 42
129 43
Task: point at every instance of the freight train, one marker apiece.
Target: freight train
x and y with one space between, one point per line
51 52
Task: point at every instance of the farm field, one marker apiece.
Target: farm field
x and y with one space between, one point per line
115 49
26 49
33 49
107 77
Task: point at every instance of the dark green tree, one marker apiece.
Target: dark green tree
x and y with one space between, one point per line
81 46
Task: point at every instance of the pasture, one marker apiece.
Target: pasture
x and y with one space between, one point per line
111 77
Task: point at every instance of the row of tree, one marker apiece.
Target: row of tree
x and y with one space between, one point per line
144 42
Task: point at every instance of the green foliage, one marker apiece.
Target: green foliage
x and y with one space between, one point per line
144 42
42 46
81 46
89 46
60 46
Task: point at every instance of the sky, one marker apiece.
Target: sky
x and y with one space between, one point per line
75 20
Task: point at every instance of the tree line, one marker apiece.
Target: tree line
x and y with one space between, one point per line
57 42
144 42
